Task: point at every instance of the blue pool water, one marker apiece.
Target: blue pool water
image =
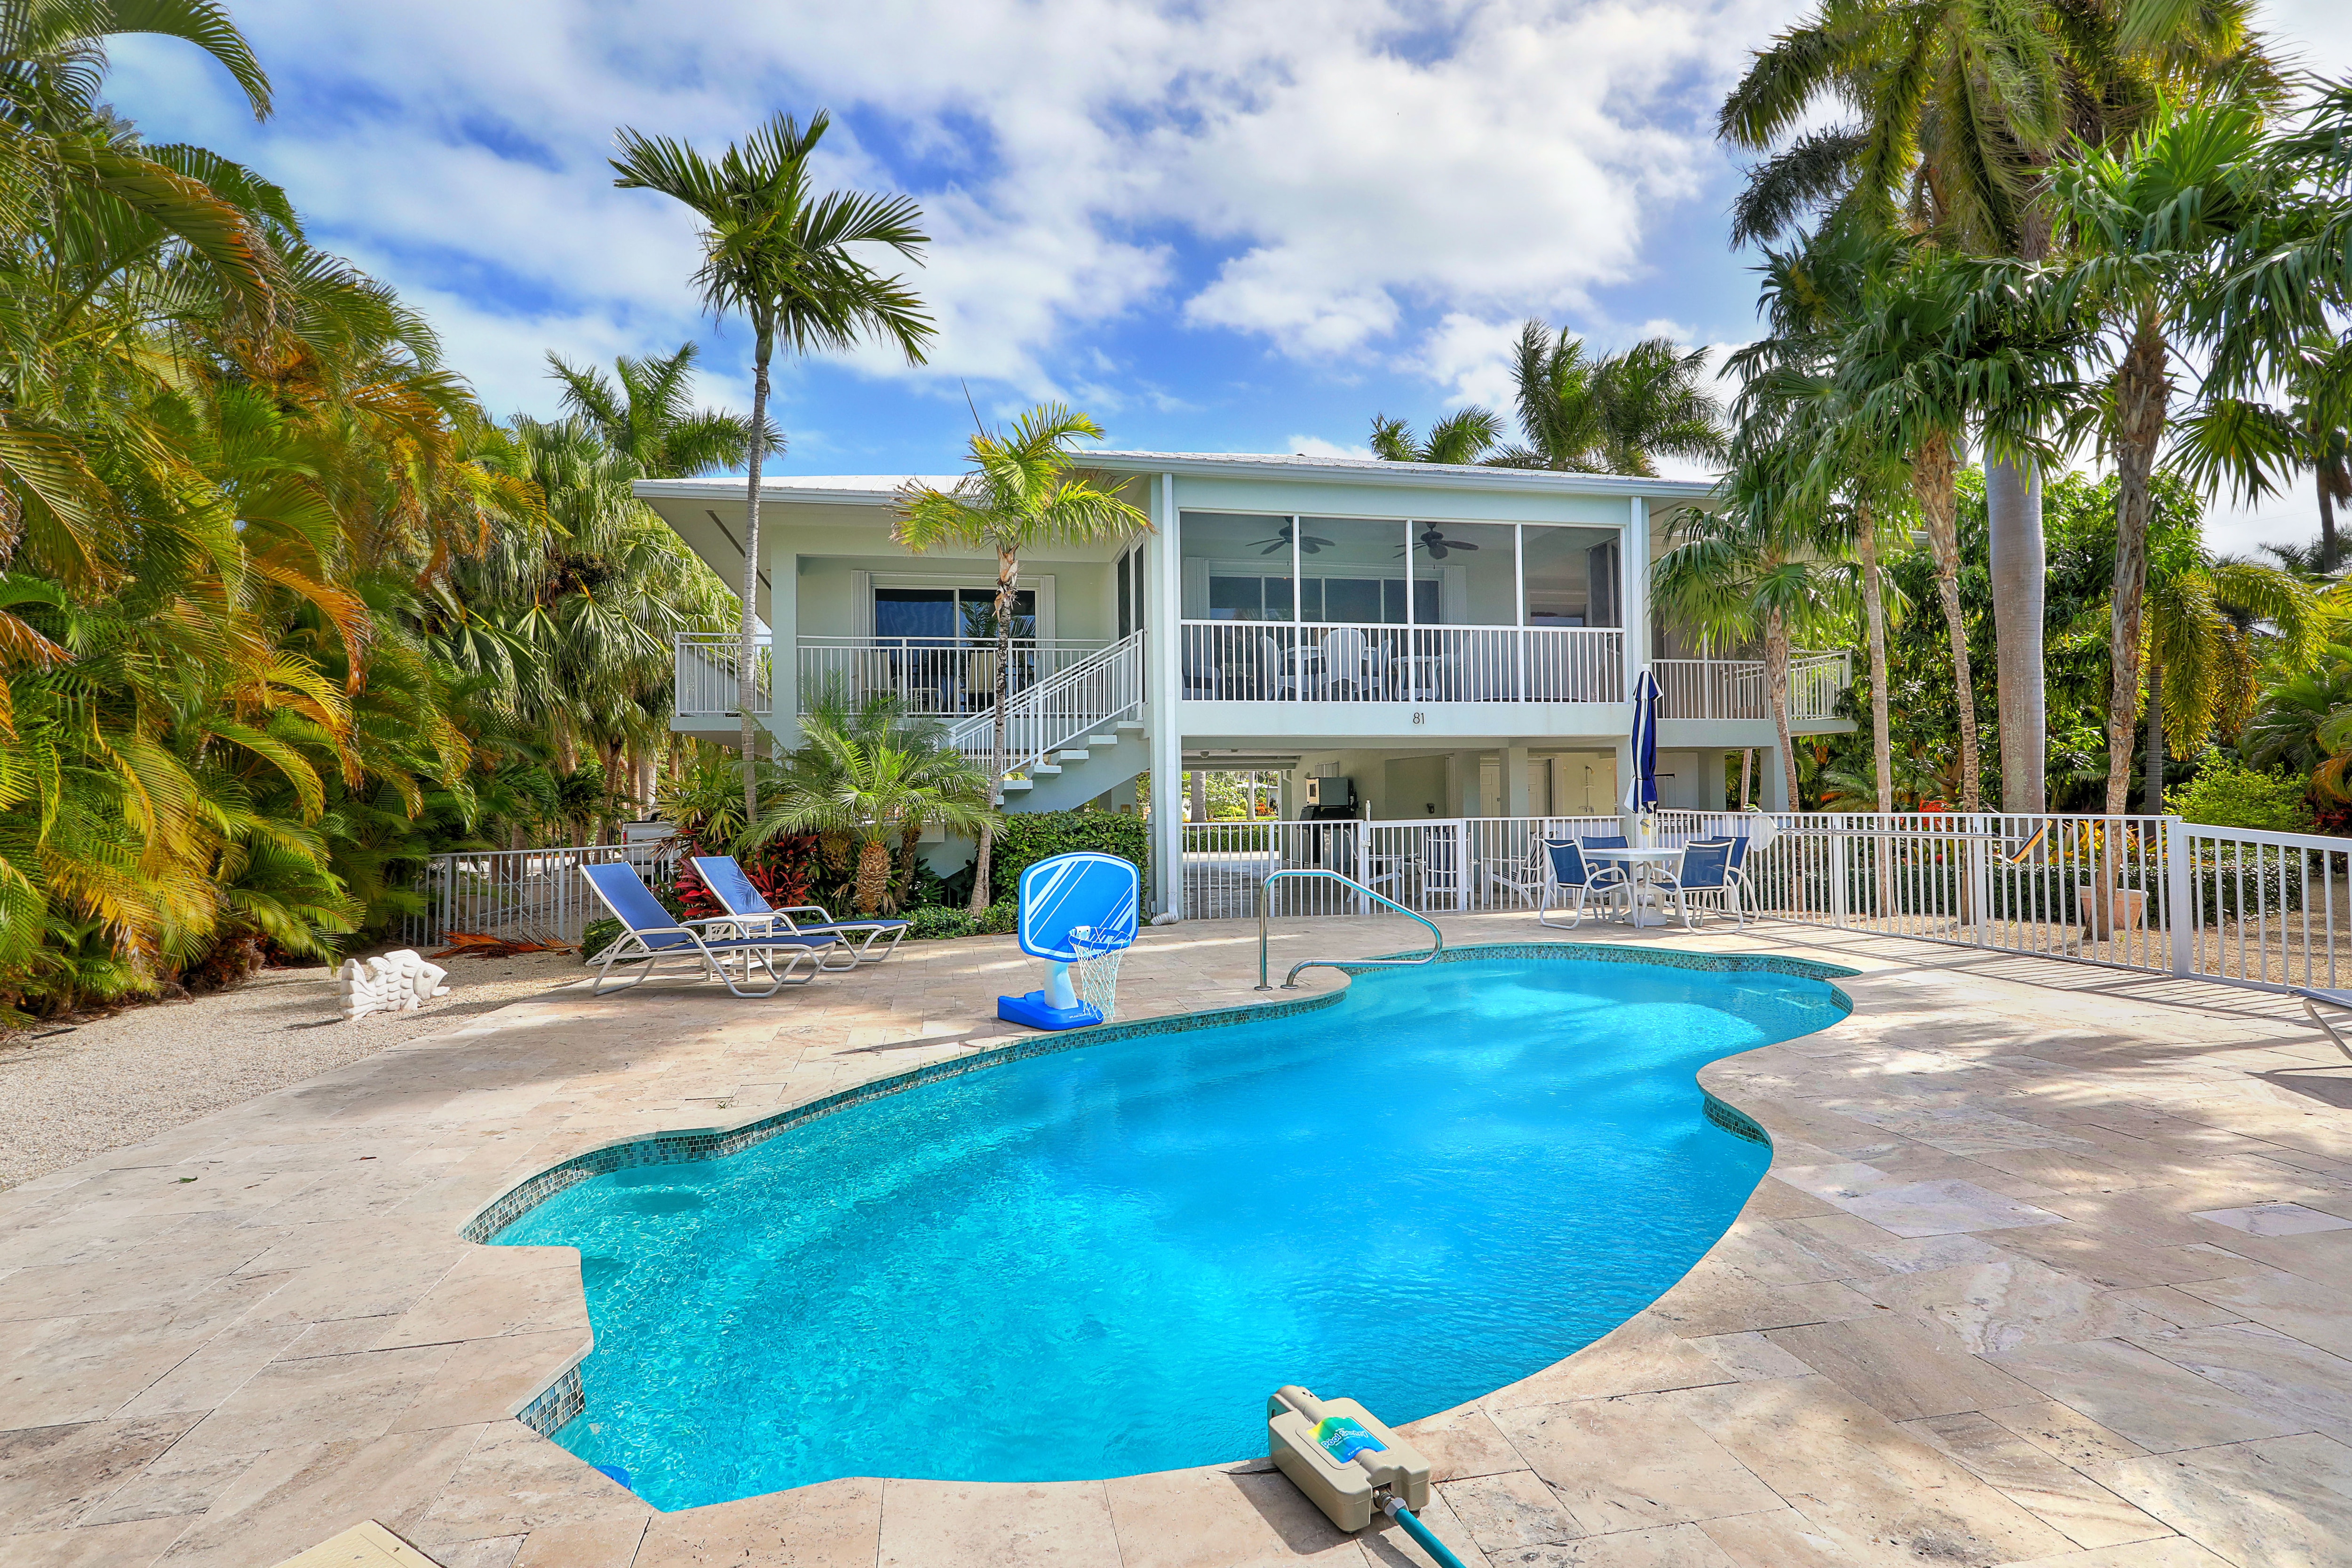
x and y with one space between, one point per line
1100 1261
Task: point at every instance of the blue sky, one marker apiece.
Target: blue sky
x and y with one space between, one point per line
1217 225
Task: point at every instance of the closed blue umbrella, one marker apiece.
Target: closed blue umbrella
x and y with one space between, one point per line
1642 792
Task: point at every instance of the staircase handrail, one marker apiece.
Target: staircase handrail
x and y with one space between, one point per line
975 736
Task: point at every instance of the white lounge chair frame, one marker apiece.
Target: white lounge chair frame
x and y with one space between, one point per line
631 947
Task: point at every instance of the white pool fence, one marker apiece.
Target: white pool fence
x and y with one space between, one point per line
2150 893
2154 894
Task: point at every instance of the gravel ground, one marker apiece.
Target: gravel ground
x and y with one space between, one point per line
124 1079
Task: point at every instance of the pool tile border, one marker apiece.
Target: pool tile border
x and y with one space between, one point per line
698 1145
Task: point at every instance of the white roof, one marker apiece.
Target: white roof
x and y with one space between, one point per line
1448 474
852 490
878 489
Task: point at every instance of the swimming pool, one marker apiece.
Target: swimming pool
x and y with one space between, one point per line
1099 1262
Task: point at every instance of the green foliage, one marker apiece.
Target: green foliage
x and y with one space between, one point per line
597 936
999 919
1029 837
878 776
2228 795
282 610
933 922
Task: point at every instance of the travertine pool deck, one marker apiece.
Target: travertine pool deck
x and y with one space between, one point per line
2054 1267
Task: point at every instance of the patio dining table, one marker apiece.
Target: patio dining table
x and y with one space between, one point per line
1642 868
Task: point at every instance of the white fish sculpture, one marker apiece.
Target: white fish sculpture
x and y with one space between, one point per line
396 983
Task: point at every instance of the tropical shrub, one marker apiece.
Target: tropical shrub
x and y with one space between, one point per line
1029 837
1000 918
934 921
597 936
2227 794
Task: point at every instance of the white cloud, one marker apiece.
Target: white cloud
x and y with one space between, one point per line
1470 357
1325 177
1315 446
1309 173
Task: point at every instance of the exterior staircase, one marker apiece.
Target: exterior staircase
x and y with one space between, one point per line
1071 737
1073 775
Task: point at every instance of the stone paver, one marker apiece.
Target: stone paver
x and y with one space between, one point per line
2051 1270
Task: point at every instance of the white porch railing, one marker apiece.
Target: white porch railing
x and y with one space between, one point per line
704 686
1275 661
1082 699
932 676
1734 689
536 895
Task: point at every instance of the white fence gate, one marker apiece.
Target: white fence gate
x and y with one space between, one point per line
529 896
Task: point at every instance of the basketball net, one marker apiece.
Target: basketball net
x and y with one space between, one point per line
1096 969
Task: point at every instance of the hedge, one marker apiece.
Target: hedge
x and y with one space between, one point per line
1029 837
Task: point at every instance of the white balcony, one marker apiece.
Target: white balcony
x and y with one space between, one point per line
932 676
1734 689
1280 660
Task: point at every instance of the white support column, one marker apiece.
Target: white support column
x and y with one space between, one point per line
1163 656
1635 569
1776 778
783 717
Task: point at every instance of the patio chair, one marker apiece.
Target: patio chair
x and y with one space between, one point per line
1569 872
1347 660
1203 679
2315 998
1277 673
1703 877
649 935
1524 875
1744 890
732 888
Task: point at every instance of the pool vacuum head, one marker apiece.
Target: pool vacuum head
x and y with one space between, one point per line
1340 1454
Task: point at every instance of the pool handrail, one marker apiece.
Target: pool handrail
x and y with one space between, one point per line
1290 981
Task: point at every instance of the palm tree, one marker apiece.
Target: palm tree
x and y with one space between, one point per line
1960 108
2288 718
2142 222
1462 436
2327 448
1024 490
650 418
785 256
2208 618
875 774
1852 467
1614 414
1750 568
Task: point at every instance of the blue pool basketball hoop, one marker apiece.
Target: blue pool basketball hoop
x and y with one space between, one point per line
1075 909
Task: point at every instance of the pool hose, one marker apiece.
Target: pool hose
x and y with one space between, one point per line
1421 1532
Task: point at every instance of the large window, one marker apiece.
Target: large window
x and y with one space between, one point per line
1385 572
949 614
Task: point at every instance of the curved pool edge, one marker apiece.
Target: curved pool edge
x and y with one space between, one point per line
694 1144
564 1398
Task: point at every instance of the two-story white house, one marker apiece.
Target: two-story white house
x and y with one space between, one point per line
1426 641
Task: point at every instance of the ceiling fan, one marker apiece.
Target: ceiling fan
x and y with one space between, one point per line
1308 543
1437 544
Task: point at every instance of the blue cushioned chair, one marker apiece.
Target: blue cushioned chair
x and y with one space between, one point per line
733 889
650 936
1571 875
1741 892
1703 877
